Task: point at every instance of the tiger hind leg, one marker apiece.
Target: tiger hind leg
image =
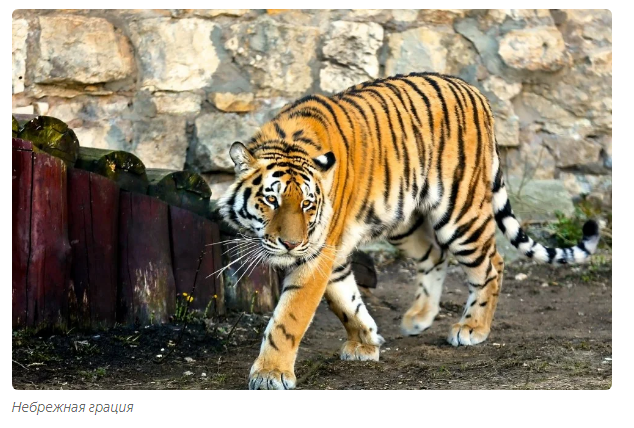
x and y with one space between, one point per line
419 243
484 268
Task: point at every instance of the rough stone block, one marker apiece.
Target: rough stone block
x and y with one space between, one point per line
175 55
81 50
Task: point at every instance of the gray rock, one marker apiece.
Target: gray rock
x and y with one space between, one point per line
20 31
183 103
572 152
161 142
416 50
380 247
116 134
78 49
537 200
486 44
335 78
215 132
533 159
533 49
508 252
175 55
556 120
354 45
277 56
219 183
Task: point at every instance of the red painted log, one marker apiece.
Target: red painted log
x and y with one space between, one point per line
49 260
93 205
191 235
20 144
21 220
146 293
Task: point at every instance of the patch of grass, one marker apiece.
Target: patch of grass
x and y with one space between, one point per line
183 313
578 368
568 231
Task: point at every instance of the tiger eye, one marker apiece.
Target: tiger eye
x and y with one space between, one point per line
306 204
271 199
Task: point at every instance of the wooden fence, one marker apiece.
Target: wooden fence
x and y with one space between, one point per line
98 239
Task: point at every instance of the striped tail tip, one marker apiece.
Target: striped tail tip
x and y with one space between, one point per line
591 235
578 253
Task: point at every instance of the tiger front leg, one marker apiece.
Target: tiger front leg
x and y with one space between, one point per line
344 299
301 294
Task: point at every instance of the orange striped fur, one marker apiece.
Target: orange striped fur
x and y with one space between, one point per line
412 159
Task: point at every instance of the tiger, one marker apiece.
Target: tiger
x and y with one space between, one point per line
412 159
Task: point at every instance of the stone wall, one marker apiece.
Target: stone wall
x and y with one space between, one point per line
177 87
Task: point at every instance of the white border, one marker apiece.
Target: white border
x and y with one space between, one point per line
337 408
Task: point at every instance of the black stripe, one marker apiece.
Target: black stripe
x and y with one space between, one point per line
502 214
280 131
477 233
426 255
419 222
272 343
376 94
460 231
290 287
341 268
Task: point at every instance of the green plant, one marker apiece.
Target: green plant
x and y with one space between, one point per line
182 313
211 301
568 231
255 295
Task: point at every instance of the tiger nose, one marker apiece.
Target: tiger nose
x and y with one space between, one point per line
289 244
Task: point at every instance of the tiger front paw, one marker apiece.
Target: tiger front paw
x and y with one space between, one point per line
464 334
262 377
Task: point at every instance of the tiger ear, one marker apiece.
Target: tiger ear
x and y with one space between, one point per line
242 157
325 161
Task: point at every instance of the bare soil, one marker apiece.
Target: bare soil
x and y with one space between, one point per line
552 330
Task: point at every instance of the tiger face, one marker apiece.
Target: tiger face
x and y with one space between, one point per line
280 200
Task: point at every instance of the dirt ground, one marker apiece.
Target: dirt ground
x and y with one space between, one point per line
552 330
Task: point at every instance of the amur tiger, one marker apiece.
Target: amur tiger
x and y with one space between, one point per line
412 159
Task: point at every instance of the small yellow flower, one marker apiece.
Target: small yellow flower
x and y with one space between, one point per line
256 291
184 294
190 299
215 296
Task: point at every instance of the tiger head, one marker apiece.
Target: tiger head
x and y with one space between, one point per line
281 200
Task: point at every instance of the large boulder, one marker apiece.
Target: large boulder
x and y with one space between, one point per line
535 49
78 49
175 55
276 56
350 50
416 50
161 142
507 123
215 132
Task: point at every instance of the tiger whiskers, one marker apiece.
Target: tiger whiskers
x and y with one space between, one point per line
222 269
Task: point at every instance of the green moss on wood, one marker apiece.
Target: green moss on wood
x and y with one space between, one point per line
52 136
124 168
